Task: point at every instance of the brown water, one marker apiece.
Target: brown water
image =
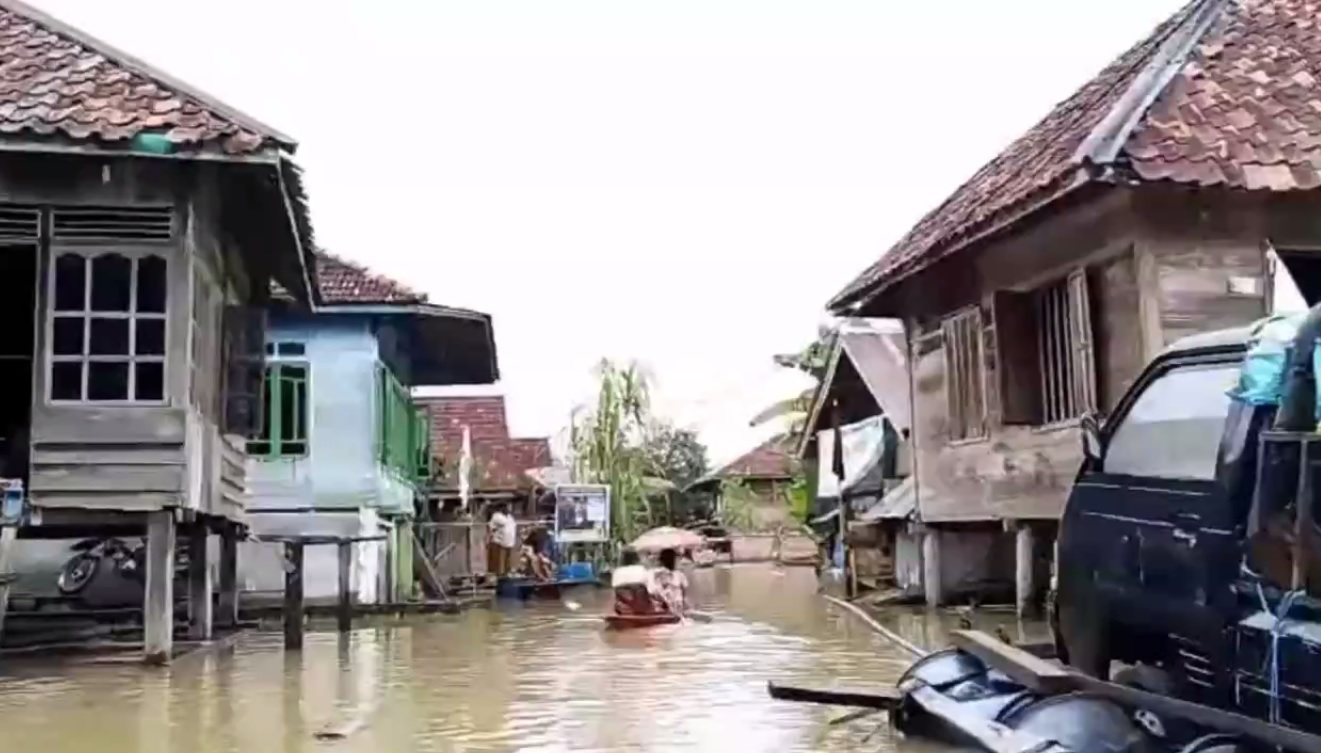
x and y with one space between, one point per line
536 677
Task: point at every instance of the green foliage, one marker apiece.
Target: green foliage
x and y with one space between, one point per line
814 358
738 505
677 454
607 445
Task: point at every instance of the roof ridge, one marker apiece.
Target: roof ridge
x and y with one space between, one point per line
1103 144
142 68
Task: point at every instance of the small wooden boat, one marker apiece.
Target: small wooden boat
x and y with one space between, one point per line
634 621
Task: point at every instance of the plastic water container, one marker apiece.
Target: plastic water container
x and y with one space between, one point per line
577 571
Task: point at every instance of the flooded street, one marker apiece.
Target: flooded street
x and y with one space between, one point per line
513 678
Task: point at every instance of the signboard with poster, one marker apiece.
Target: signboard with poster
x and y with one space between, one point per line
582 513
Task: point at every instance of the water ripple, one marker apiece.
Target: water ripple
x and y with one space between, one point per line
515 678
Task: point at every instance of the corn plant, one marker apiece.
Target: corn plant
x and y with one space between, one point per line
606 444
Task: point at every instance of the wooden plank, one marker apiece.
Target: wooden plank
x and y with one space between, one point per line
293 595
89 425
345 614
58 455
108 478
885 699
1032 672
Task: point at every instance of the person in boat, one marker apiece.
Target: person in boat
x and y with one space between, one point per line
634 587
671 584
534 560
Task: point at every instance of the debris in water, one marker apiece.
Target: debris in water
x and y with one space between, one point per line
572 606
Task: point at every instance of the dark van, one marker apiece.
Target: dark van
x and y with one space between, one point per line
1151 567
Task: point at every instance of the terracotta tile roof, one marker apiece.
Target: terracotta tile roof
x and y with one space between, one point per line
500 461
56 80
771 459
1224 93
343 281
1245 109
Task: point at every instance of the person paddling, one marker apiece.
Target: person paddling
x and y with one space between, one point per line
671 583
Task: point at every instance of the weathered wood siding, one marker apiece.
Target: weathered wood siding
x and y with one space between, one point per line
108 457
217 278
1016 471
1160 265
1201 263
134 457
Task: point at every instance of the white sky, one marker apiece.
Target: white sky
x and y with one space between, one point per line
684 182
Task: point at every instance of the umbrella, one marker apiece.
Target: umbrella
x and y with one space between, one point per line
667 537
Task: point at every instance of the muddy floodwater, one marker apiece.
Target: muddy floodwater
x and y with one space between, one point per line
537 677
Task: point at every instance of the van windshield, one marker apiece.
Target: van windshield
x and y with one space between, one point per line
1173 429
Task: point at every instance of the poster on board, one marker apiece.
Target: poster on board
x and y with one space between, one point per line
582 513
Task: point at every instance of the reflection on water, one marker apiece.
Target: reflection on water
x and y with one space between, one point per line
519 677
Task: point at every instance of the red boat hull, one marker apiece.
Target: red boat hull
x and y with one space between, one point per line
630 622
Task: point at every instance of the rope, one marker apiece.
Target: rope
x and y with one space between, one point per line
1272 668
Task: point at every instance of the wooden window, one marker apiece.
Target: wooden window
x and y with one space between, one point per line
107 330
285 411
1046 355
1066 358
964 374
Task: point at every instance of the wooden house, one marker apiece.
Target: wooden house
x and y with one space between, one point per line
1151 204
867 378
766 473
141 225
501 472
344 449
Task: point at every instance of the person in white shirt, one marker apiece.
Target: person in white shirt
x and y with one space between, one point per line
502 534
635 589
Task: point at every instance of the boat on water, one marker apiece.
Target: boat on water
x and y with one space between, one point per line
635 621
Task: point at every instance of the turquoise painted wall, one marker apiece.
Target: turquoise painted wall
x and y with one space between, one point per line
340 470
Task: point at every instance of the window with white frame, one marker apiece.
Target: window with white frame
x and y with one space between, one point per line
107 327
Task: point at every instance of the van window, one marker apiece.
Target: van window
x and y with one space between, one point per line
1173 428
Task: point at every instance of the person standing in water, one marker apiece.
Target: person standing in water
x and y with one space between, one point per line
502 534
671 583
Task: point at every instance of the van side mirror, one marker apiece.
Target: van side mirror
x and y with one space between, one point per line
1091 437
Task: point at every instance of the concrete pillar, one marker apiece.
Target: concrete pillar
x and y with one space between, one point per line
227 612
200 610
158 606
931 580
1024 563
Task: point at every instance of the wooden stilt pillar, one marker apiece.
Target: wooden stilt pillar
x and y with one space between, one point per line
293 595
1024 570
931 580
158 607
227 614
200 608
345 612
